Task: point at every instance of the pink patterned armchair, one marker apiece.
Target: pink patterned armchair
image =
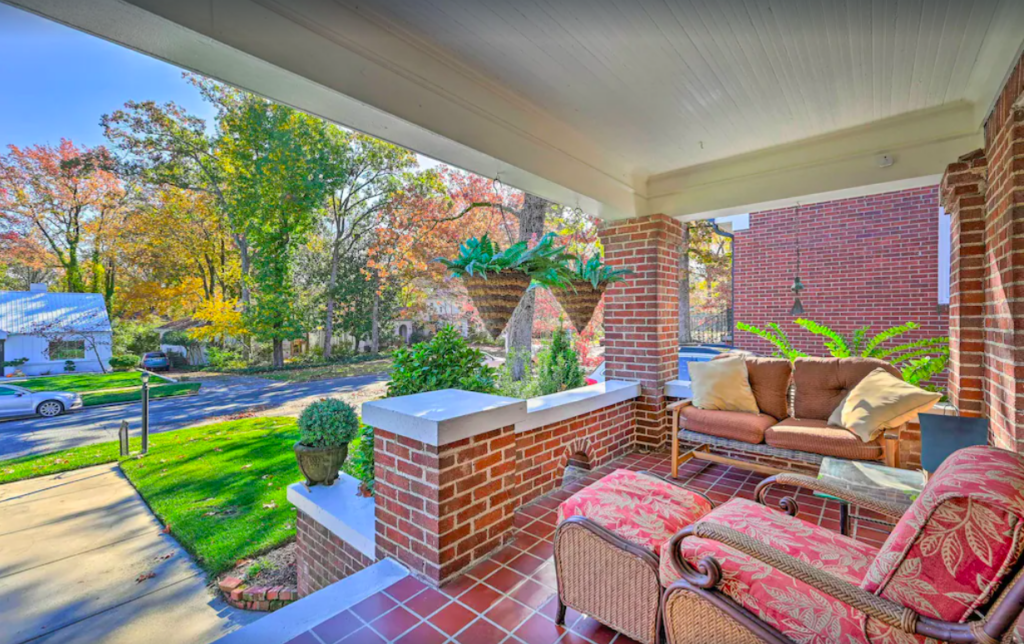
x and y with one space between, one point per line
950 571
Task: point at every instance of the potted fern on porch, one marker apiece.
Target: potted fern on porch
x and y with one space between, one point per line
580 297
496 279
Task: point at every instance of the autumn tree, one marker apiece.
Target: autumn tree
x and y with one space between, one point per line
273 160
66 197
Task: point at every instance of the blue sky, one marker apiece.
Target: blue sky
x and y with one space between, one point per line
57 81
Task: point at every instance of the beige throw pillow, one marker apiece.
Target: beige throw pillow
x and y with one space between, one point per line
723 385
879 401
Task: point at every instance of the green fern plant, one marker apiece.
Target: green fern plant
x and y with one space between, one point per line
918 361
596 272
545 263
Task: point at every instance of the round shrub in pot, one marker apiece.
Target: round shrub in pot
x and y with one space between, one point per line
326 427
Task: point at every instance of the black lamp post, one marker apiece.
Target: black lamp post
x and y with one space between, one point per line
145 412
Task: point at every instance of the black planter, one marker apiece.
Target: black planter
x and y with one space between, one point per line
320 465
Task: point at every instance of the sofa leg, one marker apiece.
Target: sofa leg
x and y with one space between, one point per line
560 617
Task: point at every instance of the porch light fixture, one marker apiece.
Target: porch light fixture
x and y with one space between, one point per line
798 307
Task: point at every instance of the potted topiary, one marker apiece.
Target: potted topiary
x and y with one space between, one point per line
580 297
497 279
326 427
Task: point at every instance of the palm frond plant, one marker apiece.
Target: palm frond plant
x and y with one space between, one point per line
775 335
588 281
496 279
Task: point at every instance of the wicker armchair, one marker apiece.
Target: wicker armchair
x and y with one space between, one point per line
951 570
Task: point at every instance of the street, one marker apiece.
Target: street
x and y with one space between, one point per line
218 397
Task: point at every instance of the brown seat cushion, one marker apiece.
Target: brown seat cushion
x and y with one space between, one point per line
769 378
735 425
817 437
821 383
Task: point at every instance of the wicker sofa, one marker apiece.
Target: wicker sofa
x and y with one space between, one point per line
796 401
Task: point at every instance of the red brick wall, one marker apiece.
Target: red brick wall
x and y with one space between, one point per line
441 509
868 260
321 557
542 453
641 315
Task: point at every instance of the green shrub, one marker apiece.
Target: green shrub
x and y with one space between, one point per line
360 457
219 359
134 337
526 387
329 422
124 362
558 366
445 362
69 366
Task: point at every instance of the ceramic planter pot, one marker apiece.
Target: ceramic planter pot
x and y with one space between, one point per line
579 300
320 465
497 297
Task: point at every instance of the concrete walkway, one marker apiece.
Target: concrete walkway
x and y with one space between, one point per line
72 547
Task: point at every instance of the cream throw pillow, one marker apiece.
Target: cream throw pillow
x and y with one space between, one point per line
722 384
880 401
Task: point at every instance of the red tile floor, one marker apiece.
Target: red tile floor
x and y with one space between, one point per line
510 598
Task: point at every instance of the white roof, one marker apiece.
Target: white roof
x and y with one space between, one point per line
24 312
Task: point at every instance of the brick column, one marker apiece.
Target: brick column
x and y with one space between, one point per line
963 197
641 315
445 478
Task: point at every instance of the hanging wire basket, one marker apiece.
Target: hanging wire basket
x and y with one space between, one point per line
579 300
497 297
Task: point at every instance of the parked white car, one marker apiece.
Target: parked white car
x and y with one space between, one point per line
16 401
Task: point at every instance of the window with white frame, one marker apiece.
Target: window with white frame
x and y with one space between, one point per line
67 349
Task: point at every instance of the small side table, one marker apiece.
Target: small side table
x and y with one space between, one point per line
865 477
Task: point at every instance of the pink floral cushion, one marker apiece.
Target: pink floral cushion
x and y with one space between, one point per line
955 545
639 508
798 611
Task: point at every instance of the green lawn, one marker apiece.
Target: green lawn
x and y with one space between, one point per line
155 391
340 370
28 467
221 488
81 382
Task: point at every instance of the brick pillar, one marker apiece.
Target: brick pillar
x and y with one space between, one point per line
1004 287
641 315
963 197
445 478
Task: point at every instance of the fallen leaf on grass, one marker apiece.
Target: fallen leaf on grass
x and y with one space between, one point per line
247 466
270 506
167 529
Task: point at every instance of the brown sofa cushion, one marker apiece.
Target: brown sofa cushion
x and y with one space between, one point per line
821 383
735 425
769 378
817 437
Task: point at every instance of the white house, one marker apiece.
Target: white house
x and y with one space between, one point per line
48 329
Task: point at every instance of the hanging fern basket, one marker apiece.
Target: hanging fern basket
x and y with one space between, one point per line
497 297
579 300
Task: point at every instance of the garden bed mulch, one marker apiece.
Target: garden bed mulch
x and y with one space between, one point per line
265 583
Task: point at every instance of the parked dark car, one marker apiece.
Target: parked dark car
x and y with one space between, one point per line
156 361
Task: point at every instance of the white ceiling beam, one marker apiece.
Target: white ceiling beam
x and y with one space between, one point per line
838 165
322 58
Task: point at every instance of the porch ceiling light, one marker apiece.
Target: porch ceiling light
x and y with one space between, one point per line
798 307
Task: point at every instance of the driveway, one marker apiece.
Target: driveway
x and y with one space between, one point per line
83 560
217 398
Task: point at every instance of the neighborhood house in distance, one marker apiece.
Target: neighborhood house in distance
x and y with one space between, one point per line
43 331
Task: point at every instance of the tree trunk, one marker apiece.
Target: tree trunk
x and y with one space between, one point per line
519 337
684 286
243 254
332 283
375 323
278 352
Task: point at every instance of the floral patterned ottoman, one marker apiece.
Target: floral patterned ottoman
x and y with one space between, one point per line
607 544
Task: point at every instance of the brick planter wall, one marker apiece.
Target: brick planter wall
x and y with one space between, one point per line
322 557
441 509
542 453
868 260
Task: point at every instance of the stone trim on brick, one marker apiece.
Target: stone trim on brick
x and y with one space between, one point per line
259 598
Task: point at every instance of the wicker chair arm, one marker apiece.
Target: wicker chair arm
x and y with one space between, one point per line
679 404
709 573
891 509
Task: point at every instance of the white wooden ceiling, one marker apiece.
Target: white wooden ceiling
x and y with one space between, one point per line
674 83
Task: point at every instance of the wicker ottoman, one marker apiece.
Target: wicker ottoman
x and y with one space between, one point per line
607 543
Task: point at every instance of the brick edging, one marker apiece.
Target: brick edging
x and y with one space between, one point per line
260 598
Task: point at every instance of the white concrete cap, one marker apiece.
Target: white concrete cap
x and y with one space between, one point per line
340 508
554 408
678 389
441 417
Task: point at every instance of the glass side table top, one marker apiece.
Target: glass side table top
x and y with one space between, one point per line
864 477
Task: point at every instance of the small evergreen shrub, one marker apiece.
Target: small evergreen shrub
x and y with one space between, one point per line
124 362
445 362
559 366
360 458
329 422
69 366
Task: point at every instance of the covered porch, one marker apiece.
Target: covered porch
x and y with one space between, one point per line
647 116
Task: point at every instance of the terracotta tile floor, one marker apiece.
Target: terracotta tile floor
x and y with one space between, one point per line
510 598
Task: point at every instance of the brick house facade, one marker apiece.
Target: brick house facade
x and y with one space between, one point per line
871 260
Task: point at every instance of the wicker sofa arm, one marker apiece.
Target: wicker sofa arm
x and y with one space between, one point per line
679 404
891 509
708 573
